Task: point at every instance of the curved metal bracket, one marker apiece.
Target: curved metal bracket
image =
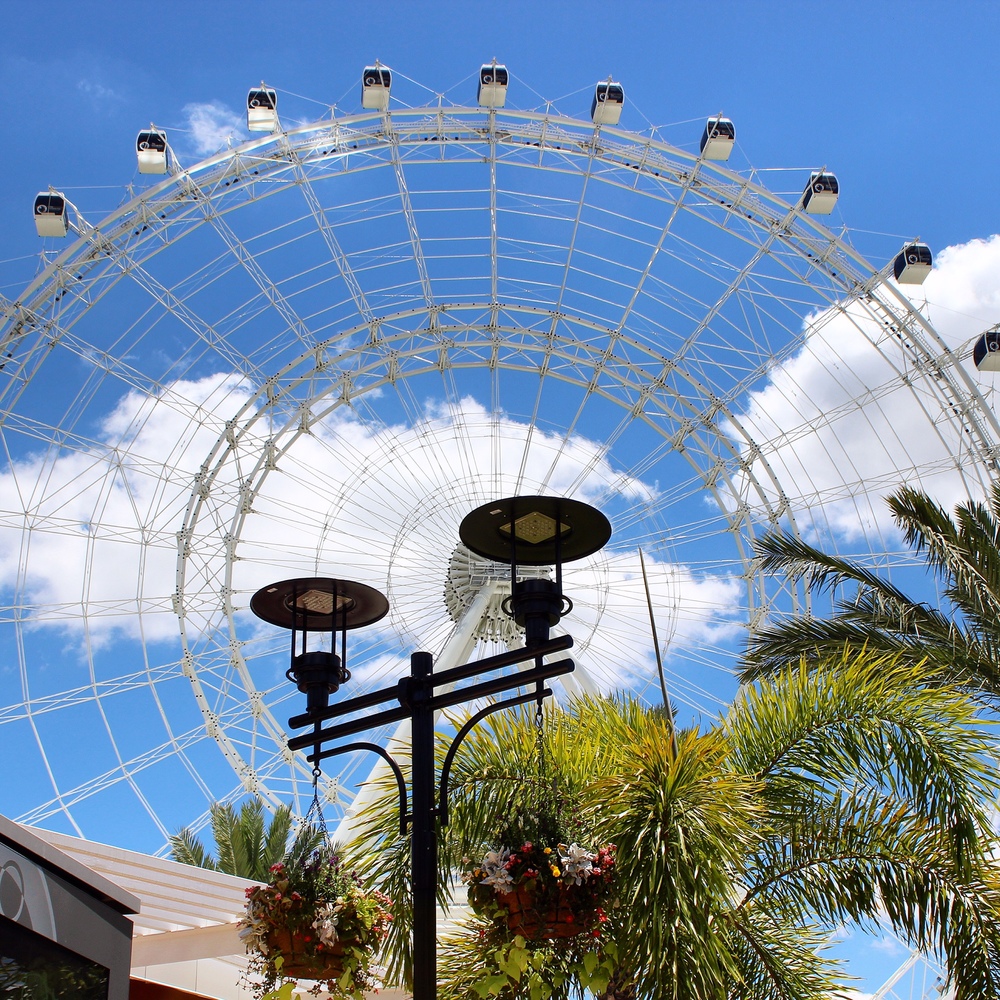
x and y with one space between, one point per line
470 724
384 754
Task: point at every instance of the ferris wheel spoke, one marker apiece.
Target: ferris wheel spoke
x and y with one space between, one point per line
64 801
189 318
675 209
406 207
248 261
377 323
337 254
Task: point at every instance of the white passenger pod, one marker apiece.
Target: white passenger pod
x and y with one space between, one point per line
718 139
492 85
913 263
820 195
151 150
375 88
606 107
986 353
51 214
262 110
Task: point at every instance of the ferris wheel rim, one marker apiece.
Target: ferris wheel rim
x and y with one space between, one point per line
810 241
866 281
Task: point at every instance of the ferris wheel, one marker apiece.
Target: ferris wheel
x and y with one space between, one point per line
314 352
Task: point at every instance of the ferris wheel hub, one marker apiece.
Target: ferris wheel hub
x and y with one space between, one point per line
467 575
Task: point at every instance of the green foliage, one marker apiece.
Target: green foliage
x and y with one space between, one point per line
46 979
476 966
958 643
842 791
245 847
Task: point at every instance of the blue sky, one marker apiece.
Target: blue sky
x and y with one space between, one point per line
898 100
895 98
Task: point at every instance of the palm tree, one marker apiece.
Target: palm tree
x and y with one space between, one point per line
245 848
830 794
960 643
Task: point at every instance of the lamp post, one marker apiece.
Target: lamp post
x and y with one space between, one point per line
534 531
318 605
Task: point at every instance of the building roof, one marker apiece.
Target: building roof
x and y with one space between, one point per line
185 919
37 845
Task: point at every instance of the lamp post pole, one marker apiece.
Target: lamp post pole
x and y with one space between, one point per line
428 800
532 531
423 835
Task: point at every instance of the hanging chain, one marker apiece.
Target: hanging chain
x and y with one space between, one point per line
314 815
540 761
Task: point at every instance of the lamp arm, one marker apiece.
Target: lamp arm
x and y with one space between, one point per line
470 724
387 757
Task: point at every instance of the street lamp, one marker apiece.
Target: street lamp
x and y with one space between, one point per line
533 531
318 605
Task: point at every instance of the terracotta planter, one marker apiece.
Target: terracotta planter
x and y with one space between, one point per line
559 921
300 962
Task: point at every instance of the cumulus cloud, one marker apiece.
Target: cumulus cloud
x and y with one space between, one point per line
889 945
848 419
351 498
382 505
211 125
94 529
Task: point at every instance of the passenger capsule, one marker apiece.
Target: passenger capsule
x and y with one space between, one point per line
262 110
151 150
492 85
913 264
51 214
375 88
820 195
986 353
718 139
606 107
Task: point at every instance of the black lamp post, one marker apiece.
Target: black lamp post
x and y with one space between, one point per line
533 531
318 604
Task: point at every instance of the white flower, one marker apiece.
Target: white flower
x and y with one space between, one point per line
253 936
499 881
495 860
252 930
325 924
577 864
494 867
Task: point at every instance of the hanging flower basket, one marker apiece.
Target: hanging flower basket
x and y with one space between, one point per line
550 919
542 892
315 921
301 959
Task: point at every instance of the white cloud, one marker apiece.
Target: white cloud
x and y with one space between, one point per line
889 945
95 527
98 92
211 125
847 420
373 503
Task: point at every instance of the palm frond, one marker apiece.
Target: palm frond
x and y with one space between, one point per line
781 552
780 960
868 719
186 848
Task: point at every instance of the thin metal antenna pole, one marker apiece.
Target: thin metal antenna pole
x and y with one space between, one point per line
667 707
